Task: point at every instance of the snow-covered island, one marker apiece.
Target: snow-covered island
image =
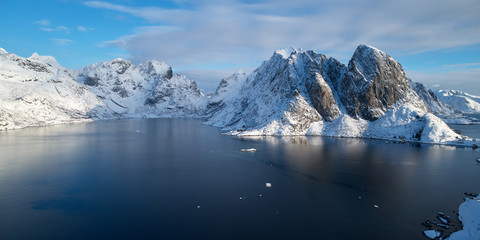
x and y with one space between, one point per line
295 92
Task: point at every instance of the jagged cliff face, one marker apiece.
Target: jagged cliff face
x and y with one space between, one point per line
299 92
371 84
294 87
318 83
273 92
149 89
374 82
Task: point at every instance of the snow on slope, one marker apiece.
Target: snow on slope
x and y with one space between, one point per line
146 90
296 92
299 92
451 106
434 105
37 91
461 101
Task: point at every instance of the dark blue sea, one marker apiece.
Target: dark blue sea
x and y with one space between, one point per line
180 179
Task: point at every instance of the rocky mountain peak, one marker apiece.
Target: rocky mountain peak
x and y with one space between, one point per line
155 68
287 52
374 82
118 64
367 60
48 60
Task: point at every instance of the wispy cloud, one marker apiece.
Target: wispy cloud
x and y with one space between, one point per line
62 41
152 14
464 80
43 22
462 65
121 43
56 29
84 29
239 32
46 26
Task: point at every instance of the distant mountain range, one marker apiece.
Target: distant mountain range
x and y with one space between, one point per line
295 92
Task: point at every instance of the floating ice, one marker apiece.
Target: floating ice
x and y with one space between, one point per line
431 233
248 150
268 184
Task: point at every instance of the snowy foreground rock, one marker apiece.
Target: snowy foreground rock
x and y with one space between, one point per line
295 92
469 215
299 92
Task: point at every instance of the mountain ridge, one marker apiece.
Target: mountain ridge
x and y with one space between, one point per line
306 93
295 92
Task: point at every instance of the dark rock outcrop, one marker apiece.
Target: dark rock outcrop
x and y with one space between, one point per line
373 83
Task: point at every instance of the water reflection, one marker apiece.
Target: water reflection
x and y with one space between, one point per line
145 178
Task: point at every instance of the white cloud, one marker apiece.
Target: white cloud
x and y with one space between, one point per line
62 42
462 65
242 33
234 31
116 43
56 29
43 22
84 29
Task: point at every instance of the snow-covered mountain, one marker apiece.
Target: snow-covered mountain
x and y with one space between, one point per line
299 92
451 106
461 101
227 89
147 90
37 91
433 104
295 92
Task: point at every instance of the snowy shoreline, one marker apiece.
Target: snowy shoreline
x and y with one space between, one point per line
466 143
468 215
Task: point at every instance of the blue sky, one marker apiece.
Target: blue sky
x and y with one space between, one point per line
437 41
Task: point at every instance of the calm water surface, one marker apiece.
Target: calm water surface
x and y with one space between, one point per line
179 179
